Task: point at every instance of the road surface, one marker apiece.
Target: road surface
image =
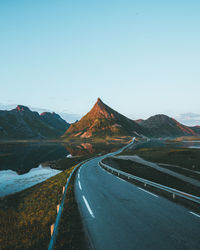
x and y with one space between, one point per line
119 215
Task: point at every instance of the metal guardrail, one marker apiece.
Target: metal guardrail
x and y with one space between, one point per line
56 225
173 191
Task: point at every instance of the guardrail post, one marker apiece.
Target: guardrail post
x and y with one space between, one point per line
63 190
145 184
58 206
52 228
174 196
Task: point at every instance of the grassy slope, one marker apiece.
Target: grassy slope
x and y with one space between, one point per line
152 175
184 157
25 217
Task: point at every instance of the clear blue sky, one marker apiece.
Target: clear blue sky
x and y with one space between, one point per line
141 57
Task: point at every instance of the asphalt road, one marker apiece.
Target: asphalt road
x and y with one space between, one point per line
120 215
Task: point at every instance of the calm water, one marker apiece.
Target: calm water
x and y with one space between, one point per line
11 182
20 165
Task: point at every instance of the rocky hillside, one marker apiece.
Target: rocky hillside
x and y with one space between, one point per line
102 121
22 123
164 126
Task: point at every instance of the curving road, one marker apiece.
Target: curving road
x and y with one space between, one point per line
120 215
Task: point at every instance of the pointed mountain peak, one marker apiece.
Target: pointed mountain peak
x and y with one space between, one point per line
100 110
103 121
99 100
99 104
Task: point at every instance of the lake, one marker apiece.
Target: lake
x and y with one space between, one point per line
20 164
11 181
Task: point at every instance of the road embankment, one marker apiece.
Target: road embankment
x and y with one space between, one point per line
71 232
26 216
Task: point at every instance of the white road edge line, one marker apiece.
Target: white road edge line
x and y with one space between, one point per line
121 179
88 207
106 171
195 214
79 185
79 175
109 173
147 192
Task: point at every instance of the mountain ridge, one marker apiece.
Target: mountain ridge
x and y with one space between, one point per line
22 123
100 122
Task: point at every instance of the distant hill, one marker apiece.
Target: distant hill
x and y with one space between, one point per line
165 126
55 121
22 123
103 121
196 129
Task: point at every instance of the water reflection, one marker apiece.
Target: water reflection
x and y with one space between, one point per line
11 182
23 157
87 148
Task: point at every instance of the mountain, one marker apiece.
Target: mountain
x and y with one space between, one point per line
63 114
165 126
103 121
22 123
196 129
55 121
